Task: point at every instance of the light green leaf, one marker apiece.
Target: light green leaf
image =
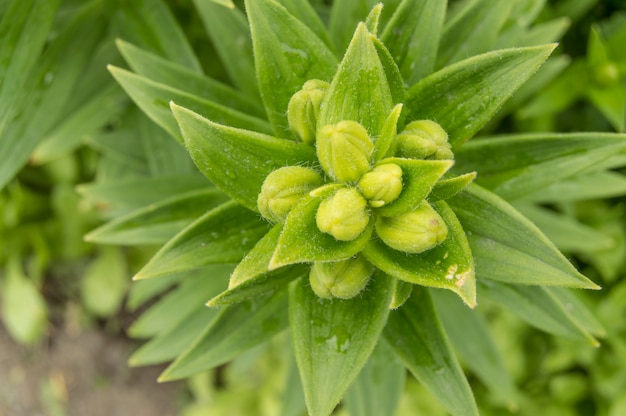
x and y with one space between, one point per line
469 334
293 403
584 186
412 36
414 332
163 155
24 310
464 96
252 277
537 306
181 78
154 99
359 90
230 34
448 265
152 24
157 223
222 235
447 188
418 179
392 72
172 342
386 142
287 54
105 282
373 19
507 247
577 310
142 291
333 339
378 388
225 3
237 328
401 293
237 161
515 165
564 231
303 10
301 240
178 304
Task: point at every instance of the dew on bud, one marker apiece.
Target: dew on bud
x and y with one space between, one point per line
283 188
344 150
340 279
413 232
382 185
343 215
303 109
424 139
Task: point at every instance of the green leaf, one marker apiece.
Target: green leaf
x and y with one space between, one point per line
373 19
172 342
222 235
157 223
577 310
402 292
163 155
230 34
448 265
537 306
333 339
303 10
412 36
612 104
24 310
144 290
469 334
345 15
447 188
154 99
252 277
359 90
237 161
181 78
566 232
472 31
418 179
177 305
464 96
105 282
414 332
392 72
584 186
287 54
507 247
237 328
378 388
301 240
386 142
515 165
153 25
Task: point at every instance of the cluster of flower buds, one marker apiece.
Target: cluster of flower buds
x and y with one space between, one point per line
345 151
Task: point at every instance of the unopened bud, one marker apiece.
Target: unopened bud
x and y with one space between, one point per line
382 185
304 107
606 74
424 139
413 232
343 215
283 188
344 150
340 279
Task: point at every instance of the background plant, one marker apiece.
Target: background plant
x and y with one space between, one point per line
159 164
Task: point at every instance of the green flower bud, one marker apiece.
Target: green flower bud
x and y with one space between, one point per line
606 74
343 215
381 185
340 279
344 150
283 188
413 232
424 139
304 107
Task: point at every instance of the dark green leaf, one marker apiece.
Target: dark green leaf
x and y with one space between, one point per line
507 247
333 339
464 96
237 161
414 332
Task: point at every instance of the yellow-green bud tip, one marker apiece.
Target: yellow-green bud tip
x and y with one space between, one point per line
340 279
424 139
303 109
382 185
283 188
413 232
343 215
344 150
